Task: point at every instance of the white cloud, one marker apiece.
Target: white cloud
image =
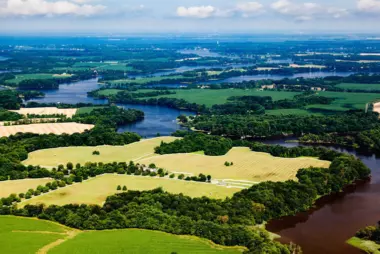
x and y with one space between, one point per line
369 6
307 11
245 9
47 8
196 11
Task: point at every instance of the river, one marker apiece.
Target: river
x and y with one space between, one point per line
335 219
160 120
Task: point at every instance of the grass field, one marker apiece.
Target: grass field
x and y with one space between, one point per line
113 66
45 128
27 236
20 235
56 156
299 112
47 111
365 246
248 165
134 241
368 87
210 97
96 190
21 77
20 186
86 110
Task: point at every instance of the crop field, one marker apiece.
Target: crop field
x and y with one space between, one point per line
69 112
28 236
54 157
247 165
22 77
135 241
45 128
368 87
20 186
299 112
96 190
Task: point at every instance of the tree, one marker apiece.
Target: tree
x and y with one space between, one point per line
118 187
172 175
69 166
124 188
227 164
209 178
77 166
181 176
152 166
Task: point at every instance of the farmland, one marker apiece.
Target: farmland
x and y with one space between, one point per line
138 242
247 165
96 190
47 111
22 77
56 156
29 236
20 186
45 128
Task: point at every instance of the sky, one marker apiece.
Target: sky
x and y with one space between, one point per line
189 16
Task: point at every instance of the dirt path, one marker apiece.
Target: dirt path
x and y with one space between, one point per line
69 234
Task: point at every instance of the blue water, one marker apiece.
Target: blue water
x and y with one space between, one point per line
320 74
2 58
157 119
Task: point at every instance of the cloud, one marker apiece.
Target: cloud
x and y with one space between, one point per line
307 11
245 9
368 6
196 11
47 8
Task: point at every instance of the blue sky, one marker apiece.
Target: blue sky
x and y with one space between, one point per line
181 16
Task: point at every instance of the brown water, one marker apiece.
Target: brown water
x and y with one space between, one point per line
335 219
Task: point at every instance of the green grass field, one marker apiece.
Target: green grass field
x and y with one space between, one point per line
22 77
27 236
96 190
56 156
368 87
134 241
86 110
299 112
20 235
210 97
108 92
365 246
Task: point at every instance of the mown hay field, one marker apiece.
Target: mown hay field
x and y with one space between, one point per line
45 128
69 112
54 157
96 190
20 186
137 241
247 165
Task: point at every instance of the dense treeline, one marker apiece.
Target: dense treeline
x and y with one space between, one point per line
268 126
211 145
6 115
370 233
110 116
367 140
10 99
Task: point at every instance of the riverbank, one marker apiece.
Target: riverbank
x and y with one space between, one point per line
364 245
